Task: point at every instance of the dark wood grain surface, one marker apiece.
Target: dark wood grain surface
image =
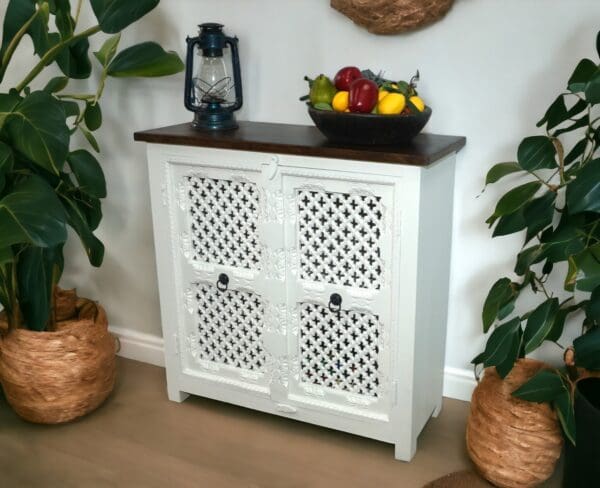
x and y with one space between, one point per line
303 140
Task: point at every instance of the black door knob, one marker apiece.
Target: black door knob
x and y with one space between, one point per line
335 303
222 282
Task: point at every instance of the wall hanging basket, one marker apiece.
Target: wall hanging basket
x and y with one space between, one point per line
392 16
55 377
513 443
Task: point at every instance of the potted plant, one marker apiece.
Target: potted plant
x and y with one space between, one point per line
56 356
555 203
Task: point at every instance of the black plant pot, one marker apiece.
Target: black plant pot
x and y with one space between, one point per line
582 462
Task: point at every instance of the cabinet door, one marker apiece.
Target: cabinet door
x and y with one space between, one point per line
339 241
226 268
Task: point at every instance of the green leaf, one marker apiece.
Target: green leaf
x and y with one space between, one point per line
500 346
77 220
6 256
93 116
147 59
88 173
6 162
528 257
579 123
545 386
500 170
592 309
592 90
37 129
562 242
114 15
539 213
108 50
558 325
516 198
56 84
583 193
583 73
32 214
587 350
571 276
577 151
75 61
505 367
17 14
588 268
90 138
501 293
536 152
323 106
71 108
556 113
566 415
509 224
8 102
539 324
37 269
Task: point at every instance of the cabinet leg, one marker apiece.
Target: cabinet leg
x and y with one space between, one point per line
405 450
437 411
176 395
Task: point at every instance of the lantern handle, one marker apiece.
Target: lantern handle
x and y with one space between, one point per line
237 73
189 63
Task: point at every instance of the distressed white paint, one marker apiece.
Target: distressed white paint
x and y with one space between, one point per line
408 301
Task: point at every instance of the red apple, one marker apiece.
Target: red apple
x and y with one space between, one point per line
344 77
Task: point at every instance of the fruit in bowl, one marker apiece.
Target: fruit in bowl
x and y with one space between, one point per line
359 107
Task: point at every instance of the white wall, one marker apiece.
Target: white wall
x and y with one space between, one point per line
489 70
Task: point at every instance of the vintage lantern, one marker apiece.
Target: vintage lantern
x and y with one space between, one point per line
213 90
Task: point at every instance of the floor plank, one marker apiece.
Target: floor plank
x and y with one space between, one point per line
140 439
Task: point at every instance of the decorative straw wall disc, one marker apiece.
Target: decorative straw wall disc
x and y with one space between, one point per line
54 377
513 443
392 16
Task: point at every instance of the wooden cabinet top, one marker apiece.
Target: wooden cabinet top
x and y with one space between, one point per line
303 140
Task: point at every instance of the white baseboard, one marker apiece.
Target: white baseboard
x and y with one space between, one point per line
148 348
459 383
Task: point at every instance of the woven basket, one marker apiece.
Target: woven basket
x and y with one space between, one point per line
392 16
55 377
513 443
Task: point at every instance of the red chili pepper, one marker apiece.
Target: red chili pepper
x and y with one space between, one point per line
363 96
344 77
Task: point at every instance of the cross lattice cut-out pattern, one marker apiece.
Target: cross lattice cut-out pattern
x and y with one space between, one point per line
339 238
224 222
340 353
230 328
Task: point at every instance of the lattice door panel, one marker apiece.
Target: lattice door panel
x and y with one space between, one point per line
339 238
230 327
224 222
340 352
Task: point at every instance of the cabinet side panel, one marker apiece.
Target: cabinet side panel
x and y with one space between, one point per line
159 175
435 239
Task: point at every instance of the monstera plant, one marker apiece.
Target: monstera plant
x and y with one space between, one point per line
555 205
45 184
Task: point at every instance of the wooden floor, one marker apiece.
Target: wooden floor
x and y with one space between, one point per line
140 439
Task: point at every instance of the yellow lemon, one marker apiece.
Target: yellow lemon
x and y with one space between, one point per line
382 94
340 101
392 103
418 102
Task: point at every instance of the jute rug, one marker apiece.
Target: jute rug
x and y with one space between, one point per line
461 479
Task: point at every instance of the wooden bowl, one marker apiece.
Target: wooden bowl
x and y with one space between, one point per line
369 129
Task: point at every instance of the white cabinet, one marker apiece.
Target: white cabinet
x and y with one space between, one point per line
309 287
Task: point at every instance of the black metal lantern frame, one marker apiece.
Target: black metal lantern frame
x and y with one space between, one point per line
207 93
